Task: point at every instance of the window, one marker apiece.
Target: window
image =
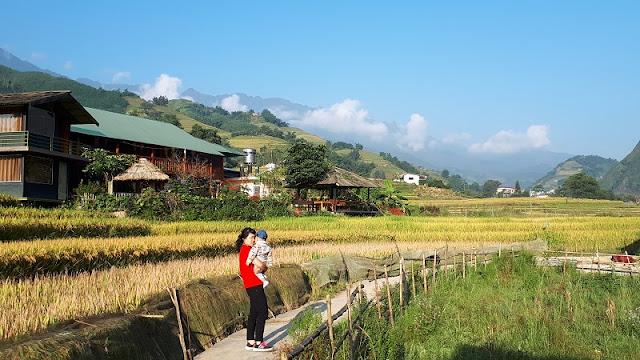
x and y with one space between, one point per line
38 170
10 168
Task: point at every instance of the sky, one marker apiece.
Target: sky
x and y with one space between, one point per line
492 77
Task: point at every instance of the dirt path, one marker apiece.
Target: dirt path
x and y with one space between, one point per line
232 347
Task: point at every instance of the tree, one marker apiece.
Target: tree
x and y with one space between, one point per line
105 166
359 146
490 187
305 164
160 100
583 186
445 173
518 189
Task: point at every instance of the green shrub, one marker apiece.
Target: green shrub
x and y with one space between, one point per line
7 200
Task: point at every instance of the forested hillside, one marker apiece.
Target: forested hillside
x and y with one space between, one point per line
12 81
592 165
264 131
624 177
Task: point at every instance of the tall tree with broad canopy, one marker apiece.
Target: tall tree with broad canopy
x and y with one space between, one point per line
306 164
106 166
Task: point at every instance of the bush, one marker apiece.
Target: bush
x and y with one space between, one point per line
7 200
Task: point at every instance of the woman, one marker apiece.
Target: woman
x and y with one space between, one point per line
253 285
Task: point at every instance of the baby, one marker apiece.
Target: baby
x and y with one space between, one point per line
262 252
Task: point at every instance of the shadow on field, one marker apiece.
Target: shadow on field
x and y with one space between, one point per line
633 248
469 352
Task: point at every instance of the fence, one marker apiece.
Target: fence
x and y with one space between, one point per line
444 261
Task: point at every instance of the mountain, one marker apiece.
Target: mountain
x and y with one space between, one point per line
624 177
99 85
255 103
506 168
11 61
592 165
16 81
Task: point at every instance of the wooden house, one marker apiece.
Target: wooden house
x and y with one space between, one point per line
166 146
37 159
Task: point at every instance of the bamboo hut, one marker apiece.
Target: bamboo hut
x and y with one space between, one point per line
141 174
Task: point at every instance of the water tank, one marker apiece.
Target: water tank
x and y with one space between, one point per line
250 156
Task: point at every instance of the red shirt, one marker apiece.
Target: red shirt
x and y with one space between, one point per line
246 272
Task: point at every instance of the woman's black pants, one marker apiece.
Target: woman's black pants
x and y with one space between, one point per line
257 313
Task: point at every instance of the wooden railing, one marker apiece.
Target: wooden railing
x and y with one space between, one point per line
28 139
176 167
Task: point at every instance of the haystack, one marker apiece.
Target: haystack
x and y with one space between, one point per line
143 171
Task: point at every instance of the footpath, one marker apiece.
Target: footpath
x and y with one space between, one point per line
275 333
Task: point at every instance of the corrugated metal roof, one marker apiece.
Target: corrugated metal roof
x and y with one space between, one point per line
146 131
63 98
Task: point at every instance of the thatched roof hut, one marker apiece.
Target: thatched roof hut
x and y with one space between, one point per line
142 170
141 174
341 178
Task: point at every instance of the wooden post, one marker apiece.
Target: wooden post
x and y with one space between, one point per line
173 294
360 291
424 272
330 324
413 280
435 256
349 317
386 276
513 254
401 285
500 249
446 260
375 281
598 259
464 266
484 252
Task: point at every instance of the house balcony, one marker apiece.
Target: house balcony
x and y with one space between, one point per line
25 141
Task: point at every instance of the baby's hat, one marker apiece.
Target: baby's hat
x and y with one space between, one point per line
262 234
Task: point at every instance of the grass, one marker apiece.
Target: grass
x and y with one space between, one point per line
511 310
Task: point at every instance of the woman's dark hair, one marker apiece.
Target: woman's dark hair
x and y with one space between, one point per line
243 235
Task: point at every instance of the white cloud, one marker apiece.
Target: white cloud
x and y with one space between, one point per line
508 142
165 86
68 65
232 103
455 138
38 56
343 118
117 77
416 135
285 114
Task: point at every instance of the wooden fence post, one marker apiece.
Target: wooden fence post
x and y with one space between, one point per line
500 249
424 272
413 280
435 256
464 266
349 316
386 276
173 294
446 261
330 324
401 285
375 281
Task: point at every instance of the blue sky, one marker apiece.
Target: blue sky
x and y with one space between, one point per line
489 76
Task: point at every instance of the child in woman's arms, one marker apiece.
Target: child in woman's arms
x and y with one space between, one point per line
262 252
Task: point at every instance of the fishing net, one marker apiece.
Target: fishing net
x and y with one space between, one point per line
331 269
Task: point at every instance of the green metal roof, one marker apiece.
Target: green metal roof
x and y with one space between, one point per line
146 131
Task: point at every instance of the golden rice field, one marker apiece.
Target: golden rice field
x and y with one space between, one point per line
72 278
32 305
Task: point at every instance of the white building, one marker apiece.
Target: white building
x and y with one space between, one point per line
505 190
411 178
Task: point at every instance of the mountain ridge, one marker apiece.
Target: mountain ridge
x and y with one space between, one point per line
624 177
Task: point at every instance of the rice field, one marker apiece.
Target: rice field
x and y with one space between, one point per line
45 282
